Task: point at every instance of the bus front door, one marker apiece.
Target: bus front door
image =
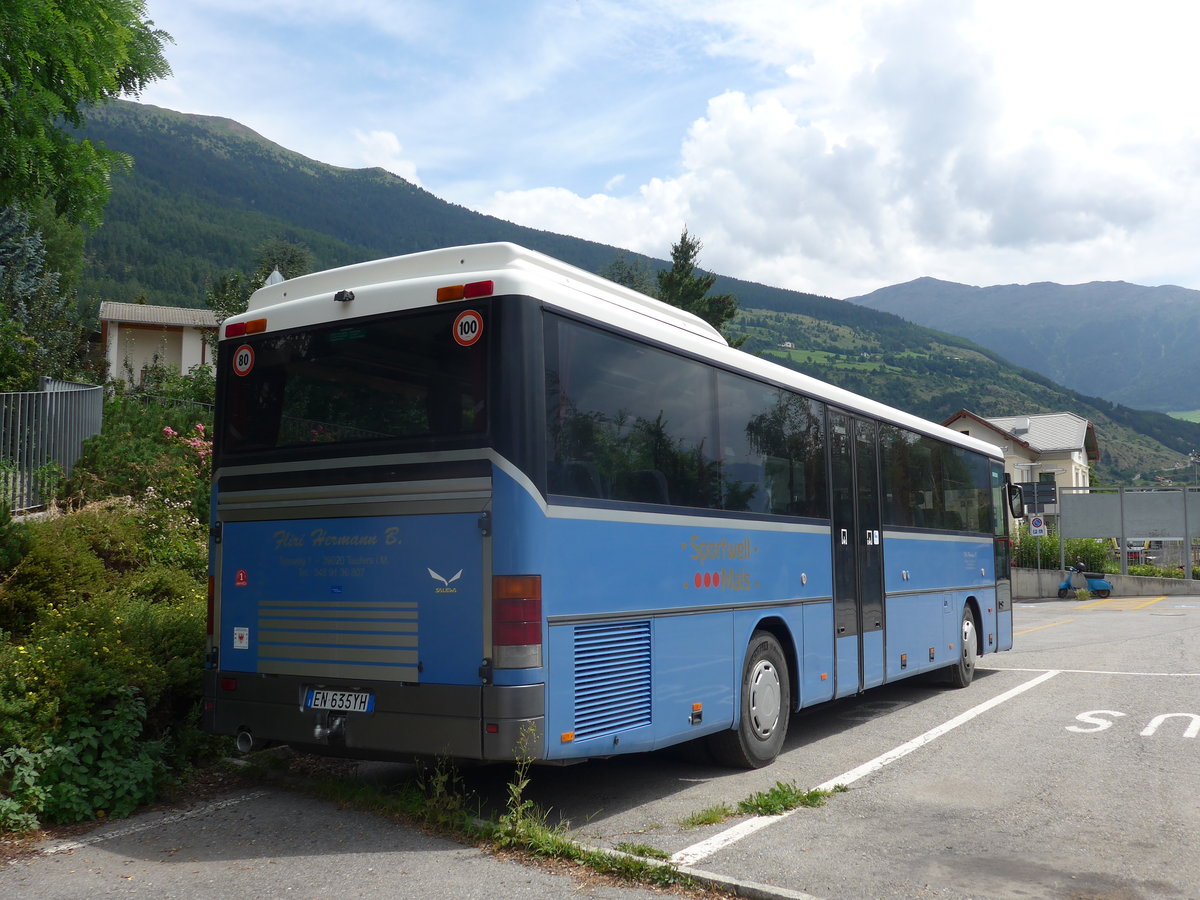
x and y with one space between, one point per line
857 553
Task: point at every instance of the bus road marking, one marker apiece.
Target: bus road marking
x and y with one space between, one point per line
691 855
1039 628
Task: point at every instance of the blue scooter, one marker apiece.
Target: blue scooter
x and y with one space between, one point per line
1096 583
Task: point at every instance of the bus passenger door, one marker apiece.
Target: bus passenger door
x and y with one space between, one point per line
857 553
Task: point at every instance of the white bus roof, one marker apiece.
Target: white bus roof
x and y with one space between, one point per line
306 301
475 261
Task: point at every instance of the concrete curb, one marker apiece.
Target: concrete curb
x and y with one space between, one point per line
752 890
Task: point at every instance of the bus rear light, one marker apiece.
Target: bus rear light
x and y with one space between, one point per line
471 291
517 620
256 326
492 728
235 329
229 684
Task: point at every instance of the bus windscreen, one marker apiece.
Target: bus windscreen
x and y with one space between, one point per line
398 378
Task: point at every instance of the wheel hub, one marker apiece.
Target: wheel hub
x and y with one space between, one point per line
765 694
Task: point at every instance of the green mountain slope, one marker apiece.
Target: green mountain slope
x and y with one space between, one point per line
205 192
1131 343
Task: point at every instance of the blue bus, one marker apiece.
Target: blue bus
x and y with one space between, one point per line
479 503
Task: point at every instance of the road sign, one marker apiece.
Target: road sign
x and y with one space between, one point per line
1037 526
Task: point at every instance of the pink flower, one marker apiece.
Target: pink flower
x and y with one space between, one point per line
168 431
200 427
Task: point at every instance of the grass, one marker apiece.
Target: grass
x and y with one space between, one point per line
708 816
772 802
782 797
644 850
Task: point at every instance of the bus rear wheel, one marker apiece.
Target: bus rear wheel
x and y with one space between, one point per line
765 708
962 672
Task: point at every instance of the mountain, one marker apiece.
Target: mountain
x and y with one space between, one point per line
1129 343
205 192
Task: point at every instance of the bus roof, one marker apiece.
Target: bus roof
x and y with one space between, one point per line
471 260
303 301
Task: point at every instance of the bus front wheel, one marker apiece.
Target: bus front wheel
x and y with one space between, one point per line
962 672
766 708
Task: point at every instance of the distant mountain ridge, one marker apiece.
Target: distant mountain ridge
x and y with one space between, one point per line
205 192
1128 343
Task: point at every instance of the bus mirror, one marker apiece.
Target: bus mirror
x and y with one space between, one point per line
1016 501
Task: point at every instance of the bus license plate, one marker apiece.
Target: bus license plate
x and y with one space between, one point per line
340 701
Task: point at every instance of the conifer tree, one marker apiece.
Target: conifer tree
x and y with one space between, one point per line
685 286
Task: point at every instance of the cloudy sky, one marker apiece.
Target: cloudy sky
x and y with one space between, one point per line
831 146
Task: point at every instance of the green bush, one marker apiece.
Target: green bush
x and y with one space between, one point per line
144 445
100 687
14 541
68 559
1027 549
102 619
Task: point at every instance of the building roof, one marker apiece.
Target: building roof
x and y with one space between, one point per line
1043 432
144 314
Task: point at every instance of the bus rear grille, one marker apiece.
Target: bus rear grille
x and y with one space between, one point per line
612 678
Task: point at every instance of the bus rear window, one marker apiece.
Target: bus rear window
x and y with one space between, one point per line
400 378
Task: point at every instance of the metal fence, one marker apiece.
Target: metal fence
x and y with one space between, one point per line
41 431
1158 526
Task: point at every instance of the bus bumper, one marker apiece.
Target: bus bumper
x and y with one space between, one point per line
481 722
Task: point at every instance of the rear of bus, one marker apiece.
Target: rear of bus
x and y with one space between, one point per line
363 416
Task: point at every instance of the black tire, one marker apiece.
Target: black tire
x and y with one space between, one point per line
765 708
1063 593
962 672
1103 595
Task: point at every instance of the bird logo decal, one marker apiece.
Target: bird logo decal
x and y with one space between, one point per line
446 581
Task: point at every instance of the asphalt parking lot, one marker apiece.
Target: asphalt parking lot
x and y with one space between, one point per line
1069 769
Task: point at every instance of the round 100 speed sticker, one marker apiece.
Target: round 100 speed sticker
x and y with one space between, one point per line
243 360
467 328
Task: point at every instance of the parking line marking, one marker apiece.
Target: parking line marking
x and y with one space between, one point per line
1123 604
693 854
1092 672
158 822
1152 602
1040 627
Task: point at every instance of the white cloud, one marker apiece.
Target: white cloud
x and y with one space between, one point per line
825 145
382 148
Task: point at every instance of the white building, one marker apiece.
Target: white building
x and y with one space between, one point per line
136 335
1051 448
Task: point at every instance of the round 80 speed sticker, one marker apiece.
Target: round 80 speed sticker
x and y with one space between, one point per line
467 328
243 360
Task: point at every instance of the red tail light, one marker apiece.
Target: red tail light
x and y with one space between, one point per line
516 610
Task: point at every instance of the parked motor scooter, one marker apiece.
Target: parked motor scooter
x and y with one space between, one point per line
1096 583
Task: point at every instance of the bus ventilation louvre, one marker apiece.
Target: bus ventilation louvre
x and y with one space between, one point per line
612 678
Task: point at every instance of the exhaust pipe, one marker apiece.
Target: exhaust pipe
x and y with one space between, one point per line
245 742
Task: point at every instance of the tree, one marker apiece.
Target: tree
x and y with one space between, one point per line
631 271
230 293
37 317
57 58
684 286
